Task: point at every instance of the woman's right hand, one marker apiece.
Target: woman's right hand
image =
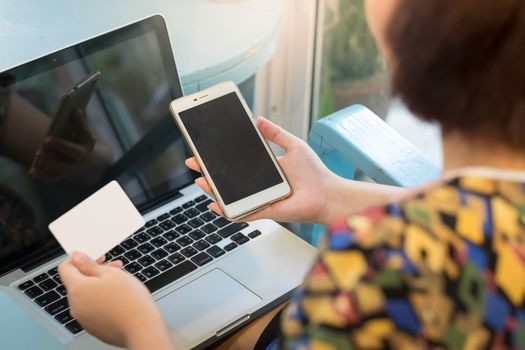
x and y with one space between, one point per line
311 181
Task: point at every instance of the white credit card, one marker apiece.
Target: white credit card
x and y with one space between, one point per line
97 224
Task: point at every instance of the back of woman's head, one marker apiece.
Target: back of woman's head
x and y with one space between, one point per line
462 63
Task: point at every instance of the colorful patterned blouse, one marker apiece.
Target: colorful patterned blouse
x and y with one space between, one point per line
444 270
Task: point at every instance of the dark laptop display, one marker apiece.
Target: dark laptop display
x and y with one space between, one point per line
125 133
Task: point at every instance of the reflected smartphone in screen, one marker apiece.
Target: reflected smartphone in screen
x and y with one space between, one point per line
236 160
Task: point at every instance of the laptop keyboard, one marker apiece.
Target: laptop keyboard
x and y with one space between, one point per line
165 249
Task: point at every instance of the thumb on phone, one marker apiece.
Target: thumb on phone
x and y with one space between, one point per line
275 134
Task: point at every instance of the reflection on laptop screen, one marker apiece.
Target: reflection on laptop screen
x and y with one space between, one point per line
124 133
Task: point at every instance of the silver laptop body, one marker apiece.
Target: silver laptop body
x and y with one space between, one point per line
203 305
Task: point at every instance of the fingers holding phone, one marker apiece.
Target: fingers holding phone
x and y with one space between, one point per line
306 174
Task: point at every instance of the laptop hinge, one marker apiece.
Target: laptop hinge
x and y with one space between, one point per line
159 202
42 259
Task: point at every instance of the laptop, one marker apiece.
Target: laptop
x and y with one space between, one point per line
207 275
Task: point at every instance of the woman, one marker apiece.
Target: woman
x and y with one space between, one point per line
440 268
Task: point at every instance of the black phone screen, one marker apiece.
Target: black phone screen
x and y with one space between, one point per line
230 148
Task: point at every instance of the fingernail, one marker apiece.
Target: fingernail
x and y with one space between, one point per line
80 257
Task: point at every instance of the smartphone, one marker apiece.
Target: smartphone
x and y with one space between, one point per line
74 98
234 157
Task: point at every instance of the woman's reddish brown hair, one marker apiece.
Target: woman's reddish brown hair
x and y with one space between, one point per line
462 63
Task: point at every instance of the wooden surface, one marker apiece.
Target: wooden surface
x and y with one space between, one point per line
213 40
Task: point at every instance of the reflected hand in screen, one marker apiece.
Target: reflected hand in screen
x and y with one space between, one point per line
59 159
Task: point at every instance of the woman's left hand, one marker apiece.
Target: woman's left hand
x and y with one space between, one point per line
112 305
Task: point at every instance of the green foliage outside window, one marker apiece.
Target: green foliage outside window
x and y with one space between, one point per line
349 52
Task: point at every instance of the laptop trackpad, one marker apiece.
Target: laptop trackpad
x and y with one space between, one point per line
206 305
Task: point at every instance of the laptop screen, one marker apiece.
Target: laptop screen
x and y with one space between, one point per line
125 133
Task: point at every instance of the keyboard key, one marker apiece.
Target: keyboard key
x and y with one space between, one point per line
53 271
40 278
48 298
61 290
158 242
64 317
179 219
231 229
176 211
117 250
129 244
176 258
239 238
213 238
221 222
33 292
74 327
200 199
216 251
172 247
201 259
196 223
141 277
133 267
150 272
146 248
170 276
197 234
26 285
163 265
167 225
191 213
123 259
183 229
189 252
171 235
155 231
203 207
133 255
254 234
47 285
163 217
230 246
107 257
57 307
209 228
209 216
57 279
188 204
184 241
151 223
146 261
201 245
141 237
159 254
